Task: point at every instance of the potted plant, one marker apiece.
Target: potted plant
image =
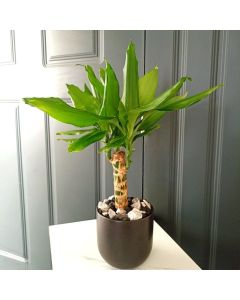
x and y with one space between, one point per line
124 224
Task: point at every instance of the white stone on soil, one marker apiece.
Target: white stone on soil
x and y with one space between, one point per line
147 203
121 211
103 206
135 200
136 204
111 213
135 214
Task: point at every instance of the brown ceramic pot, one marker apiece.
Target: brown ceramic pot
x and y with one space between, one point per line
124 244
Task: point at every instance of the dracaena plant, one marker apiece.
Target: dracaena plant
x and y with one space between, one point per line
101 114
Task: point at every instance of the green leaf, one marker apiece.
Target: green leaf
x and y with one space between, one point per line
122 114
130 83
102 75
172 91
172 100
96 85
147 86
74 132
116 142
150 119
189 101
83 100
134 113
111 93
59 110
147 131
132 118
86 90
86 140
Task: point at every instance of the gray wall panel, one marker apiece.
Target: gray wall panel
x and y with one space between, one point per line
190 178
73 176
33 142
159 51
228 243
9 264
195 147
11 237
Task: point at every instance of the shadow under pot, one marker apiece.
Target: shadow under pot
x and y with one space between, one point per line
124 244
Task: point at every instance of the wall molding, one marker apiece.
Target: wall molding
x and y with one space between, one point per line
180 45
215 142
49 170
21 185
13 256
12 61
94 56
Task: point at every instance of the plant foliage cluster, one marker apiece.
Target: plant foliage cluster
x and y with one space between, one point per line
101 114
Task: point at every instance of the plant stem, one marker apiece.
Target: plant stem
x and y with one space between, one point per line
118 162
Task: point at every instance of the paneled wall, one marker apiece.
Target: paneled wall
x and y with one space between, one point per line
41 182
189 169
191 166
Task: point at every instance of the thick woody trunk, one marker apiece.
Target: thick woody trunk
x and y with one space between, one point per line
120 179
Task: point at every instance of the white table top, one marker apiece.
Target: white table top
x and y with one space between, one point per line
74 246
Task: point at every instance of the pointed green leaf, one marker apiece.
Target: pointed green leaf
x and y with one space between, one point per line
170 101
134 113
96 85
130 83
111 93
116 142
189 101
74 132
147 131
132 119
172 91
59 110
122 114
150 119
147 86
86 140
102 75
83 100
86 90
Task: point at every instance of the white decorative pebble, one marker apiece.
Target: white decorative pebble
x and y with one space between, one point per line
147 203
136 204
103 206
99 204
135 214
111 213
121 211
135 200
